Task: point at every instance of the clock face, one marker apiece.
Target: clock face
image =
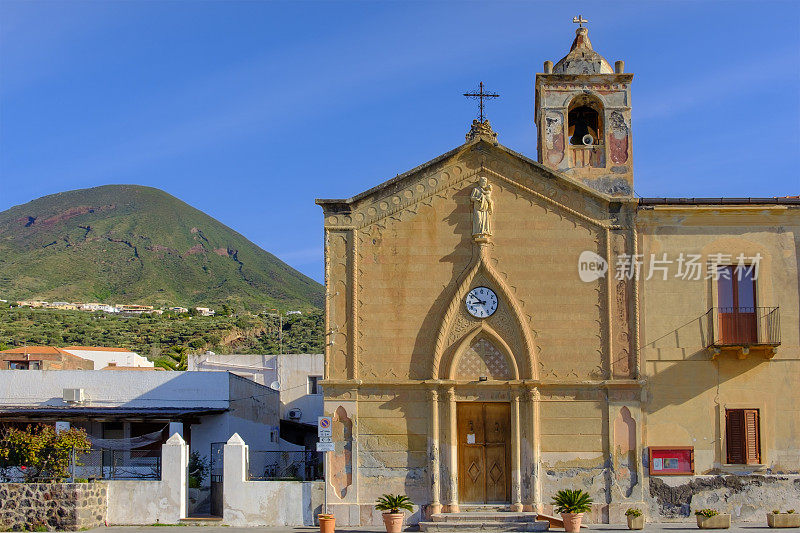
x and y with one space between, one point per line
481 302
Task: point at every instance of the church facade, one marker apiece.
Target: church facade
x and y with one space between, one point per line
500 327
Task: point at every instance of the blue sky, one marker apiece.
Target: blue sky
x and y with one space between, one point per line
250 110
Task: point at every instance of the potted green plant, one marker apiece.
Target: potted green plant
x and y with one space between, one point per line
787 519
635 518
327 523
572 504
712 519
391 505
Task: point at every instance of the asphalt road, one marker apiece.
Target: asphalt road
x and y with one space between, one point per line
748 527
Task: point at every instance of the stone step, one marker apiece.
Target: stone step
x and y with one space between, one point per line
484 516
484 507
486 526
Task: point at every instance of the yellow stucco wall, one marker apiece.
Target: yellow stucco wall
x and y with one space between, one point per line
687 390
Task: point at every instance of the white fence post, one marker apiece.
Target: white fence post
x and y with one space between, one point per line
234 474
174 463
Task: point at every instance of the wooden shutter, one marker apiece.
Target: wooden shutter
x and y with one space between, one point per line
735 431
752 444
742 435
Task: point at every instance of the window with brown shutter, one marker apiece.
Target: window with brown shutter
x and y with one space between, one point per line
742 435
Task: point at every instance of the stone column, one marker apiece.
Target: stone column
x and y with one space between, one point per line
516 445
533 397
433 453
452 477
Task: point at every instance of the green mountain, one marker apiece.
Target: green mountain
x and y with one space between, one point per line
132 244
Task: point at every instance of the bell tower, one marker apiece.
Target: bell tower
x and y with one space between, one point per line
583 114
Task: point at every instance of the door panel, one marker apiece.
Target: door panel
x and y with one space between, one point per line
484 452
472 474
496 474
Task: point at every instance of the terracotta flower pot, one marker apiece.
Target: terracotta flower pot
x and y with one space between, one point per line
635 522
393 522
783 520
572 522
327 523
720 521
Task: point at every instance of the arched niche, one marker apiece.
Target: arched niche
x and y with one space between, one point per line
584 120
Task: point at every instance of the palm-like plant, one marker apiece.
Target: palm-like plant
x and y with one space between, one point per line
572 501
393 503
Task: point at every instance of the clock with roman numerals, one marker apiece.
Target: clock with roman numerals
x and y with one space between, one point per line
481 302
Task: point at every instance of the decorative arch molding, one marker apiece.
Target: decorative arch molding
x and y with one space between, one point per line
569 98
482 331
451 334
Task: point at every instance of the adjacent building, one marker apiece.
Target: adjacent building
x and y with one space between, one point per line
42 358
205 407
501 327
296 377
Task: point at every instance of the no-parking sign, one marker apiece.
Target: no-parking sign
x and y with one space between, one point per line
324 429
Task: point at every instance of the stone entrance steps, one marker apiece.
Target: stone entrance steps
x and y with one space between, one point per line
201 520
484 520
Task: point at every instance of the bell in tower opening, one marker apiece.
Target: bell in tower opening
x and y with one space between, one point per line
583 114
584 121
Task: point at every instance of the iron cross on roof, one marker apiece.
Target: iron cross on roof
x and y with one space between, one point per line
480 95
579 20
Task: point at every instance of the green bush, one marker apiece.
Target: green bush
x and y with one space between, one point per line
633 511
708 513
572 501
40 452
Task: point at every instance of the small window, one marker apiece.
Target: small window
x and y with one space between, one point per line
20 365
313 385
743 436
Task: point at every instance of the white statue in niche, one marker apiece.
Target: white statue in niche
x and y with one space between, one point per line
482 208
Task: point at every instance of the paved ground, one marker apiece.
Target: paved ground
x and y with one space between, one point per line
649 528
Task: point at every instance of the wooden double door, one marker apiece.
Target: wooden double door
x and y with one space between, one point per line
484 452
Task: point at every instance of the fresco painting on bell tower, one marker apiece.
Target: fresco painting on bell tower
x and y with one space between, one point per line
470 366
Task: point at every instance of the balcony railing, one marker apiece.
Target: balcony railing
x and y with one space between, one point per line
744 327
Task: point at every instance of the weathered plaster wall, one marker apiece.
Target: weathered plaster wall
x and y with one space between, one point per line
265 503
56 506
142 502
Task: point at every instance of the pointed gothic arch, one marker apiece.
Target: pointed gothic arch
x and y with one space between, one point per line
523 358
482 349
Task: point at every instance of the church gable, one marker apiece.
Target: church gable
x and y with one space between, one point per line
409 243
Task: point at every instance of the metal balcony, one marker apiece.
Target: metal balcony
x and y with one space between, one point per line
741 329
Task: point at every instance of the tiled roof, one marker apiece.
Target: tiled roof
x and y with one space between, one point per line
97 349
35 350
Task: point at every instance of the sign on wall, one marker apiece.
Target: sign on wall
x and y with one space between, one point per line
324 434
671 460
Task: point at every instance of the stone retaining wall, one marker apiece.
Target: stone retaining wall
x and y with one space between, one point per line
747 498
62 506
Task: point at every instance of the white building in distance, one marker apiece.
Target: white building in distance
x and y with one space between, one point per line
103 357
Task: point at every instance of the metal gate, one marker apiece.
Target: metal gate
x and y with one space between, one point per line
216 477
